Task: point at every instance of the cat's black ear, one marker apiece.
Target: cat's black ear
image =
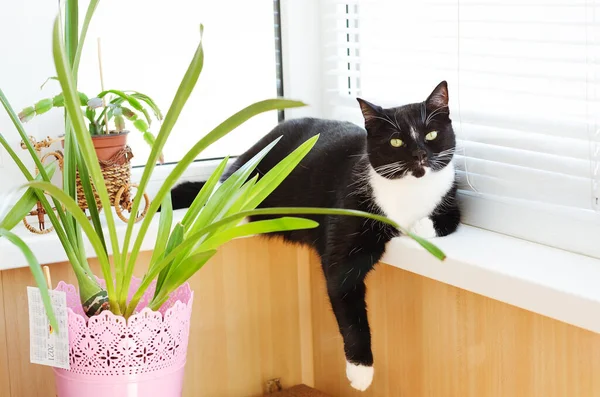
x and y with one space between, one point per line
439 96
370 112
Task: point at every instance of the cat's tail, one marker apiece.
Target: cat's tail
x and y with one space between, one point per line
183 195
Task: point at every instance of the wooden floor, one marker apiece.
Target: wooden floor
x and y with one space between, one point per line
434 340
261 312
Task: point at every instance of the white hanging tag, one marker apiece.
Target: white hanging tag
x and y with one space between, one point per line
48 346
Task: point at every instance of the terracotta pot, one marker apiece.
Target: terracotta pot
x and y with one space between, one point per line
108 145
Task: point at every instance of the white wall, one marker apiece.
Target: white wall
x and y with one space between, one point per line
146 46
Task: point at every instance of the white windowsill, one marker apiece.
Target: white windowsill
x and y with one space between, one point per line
549 281
545 280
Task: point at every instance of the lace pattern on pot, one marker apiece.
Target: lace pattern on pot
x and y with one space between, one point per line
148 341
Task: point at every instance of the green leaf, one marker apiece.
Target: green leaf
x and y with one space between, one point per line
181 96
141 125
36 270
84 141
26 203
88 192
432 249
164 229
83 99
220 131
183 272
43 106
72 206
133 102
174 241
119 123
71 30
149 101
27 114
64 234
257 227
272 179
84 28
58 100
203 195
224 198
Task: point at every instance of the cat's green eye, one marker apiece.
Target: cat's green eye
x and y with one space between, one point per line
396 142
431 136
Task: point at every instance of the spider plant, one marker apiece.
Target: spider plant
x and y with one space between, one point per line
182 248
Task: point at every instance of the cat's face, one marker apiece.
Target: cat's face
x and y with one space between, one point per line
411 139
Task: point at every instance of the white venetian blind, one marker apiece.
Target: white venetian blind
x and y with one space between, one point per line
524 100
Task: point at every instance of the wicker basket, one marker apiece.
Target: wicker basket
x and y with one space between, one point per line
117 174
114 156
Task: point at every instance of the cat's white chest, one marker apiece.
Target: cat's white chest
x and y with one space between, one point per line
407 200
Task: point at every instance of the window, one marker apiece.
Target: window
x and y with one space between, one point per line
146 46
524 94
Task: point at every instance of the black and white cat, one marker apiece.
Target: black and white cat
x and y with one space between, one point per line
401 166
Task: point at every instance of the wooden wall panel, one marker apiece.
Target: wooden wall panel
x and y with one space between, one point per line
434 340
245 325
261 312
4 374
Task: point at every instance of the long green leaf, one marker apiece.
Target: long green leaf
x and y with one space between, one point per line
72 206
220 131
273 178
174 241
25 204
71 28
90 198
203 195
181 96
36 270
259 227
182 273
164 229
85 143
70 172
84 29
227 195
435 251
191 240
65 234
224 198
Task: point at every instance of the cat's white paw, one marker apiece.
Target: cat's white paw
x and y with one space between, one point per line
360 376
424 228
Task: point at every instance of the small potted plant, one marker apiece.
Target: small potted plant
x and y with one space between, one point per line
106 115
126 333
109 107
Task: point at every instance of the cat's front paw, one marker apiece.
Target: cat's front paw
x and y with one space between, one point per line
424 228
360 376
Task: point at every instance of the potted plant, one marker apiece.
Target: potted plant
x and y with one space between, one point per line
127 333
109 107
106 116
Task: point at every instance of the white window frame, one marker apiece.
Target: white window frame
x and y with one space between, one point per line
545 280
304 68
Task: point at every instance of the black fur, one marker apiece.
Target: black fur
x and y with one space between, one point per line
333 175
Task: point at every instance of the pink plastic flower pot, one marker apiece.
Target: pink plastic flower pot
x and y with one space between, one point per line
140 357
